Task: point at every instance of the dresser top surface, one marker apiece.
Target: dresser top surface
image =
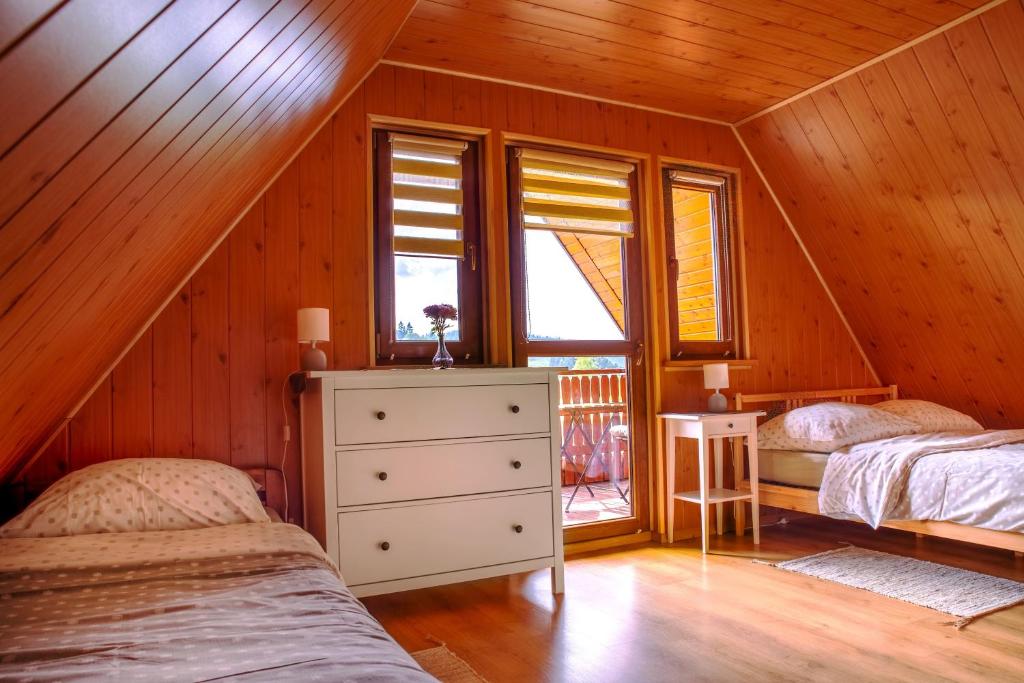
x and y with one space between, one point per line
395 378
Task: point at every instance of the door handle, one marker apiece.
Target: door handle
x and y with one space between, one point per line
639 354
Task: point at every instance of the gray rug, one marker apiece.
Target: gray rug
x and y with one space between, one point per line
957 592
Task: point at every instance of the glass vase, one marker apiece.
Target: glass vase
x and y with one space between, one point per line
442 359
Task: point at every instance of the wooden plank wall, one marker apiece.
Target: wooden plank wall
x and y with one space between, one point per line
230 334
132 135
906 181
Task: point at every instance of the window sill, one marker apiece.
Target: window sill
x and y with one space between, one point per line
697 365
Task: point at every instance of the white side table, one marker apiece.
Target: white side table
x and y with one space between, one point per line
705 427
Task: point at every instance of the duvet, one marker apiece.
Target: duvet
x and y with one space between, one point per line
969 478
253 602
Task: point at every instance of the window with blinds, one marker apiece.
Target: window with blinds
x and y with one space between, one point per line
426 175
698 213
576 193
427 244
574 217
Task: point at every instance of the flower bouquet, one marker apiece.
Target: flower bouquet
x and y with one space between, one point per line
441 316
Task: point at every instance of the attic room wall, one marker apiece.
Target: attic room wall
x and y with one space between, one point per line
132 135
205 380
906 181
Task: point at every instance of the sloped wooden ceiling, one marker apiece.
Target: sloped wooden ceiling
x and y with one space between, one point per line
720 59
132 136
906 181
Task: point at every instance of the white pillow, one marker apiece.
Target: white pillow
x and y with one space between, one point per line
930 417
141 494
827 427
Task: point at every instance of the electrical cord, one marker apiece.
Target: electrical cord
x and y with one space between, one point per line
287 439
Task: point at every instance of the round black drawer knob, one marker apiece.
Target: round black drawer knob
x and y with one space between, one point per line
518 528
514 409
385 546
516 464
381 414
383 476
730 425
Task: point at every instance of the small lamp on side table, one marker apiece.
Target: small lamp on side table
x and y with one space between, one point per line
716 376
314 325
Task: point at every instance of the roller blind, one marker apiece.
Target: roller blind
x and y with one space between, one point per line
427 196
576 193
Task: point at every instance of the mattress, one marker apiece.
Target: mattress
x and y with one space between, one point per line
792 468
261 602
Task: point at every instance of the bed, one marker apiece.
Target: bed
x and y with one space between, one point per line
245 601
987 468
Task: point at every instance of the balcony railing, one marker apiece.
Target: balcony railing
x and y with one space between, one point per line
595 400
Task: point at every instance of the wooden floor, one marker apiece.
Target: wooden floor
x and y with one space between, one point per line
657 613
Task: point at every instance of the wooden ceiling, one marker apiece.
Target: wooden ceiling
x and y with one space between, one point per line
906 182
719 59
132 136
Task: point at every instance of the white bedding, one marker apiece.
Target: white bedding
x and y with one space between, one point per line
975 479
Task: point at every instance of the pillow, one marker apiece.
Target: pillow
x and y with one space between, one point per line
141 494
930 417
827 427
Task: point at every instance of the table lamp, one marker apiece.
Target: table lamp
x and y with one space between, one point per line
314 326
716 376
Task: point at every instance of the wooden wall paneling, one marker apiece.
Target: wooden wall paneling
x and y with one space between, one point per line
767 32
379 91
247 350
851 214
19 17
810 204
89 432
926 184
172 379
545 114
132 401
438 96
108 161
353 323
316 222
568 69
54 142
282 301
148 159
410 93
211 377
27 99
949 255
467 105
736 58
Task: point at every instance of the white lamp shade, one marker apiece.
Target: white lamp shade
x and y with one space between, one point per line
716 376
314 324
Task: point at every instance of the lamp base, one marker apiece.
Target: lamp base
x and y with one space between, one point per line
313 359
717 403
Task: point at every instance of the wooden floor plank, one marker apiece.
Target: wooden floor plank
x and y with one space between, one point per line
666 613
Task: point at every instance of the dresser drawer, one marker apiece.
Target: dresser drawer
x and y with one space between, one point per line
731 426
365 416
443 537
397 473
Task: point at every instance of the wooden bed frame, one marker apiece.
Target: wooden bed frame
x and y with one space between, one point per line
806 500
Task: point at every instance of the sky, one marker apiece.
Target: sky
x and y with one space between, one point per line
562 305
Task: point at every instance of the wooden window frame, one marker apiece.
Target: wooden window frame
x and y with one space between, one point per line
725 229
632 347
469 349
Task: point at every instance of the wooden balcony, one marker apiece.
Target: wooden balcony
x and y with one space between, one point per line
594 400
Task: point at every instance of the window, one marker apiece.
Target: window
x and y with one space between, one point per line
426 245
577 303
699 225
574 226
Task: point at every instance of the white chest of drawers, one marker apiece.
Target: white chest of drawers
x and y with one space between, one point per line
416 478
